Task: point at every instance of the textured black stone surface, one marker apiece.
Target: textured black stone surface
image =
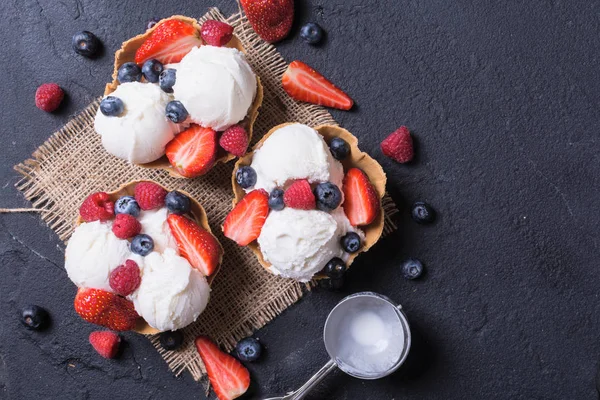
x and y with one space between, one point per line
502 97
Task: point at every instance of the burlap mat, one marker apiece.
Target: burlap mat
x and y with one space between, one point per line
72 164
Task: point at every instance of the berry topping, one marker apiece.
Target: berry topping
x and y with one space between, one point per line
86 44
412 268
149 195
196 244
48 97
328 196
112 106
311 33
177 203
171 340
193 152
244 223
216 33
234 140
398 145
176 112
300 196
245 177
361 201
106 343
35 317
422 213
271 19
104 308
126 226
97 207
125 279
169 42
335 268
150 24
129 72
248 349
303 83
340 149
166 80
142 244
276 200
152 70
127 205
228 377
350 242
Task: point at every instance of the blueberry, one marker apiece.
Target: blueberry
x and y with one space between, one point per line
127 205
152 22
112 106
412 268
248 349
276 200
171 340
129 72
311 33
331 284
350 242
423 213
339 148
177 203
86 44
152 70
166 79
335 268
176 112
35 317
245 177
328 196
142 244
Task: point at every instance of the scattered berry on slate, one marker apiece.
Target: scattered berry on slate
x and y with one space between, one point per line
86 44
171 340
271 19
234 140
152 70
412 268
149 195
112 106
398 145
129 72
311 33
245 177
335 268
106 343
126 226
350 242
127 205
216 33
35 317
48 97
166 79
299 196
276 200
423 213
177 203
152 22
142 244
339 148
176 112
125 279
97 207
328 196
248 349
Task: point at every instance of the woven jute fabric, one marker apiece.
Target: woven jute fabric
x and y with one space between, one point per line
72 164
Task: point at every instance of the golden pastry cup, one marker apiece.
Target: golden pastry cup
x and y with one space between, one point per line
356 159
198 215
127 54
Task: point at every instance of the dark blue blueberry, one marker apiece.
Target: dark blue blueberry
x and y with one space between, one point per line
311 33
276 200
245 177
129 72
86 44
171 340
152 22
152 70
177 203
335 268
112 106
166 80
350 242
248 349
35 317
423 213
176 112
339 148
328 196
127 205
412 268
142 244
331 284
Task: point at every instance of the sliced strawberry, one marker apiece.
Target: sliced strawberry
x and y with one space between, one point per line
228 377
361 202
193 152
197 245
170 41
244 223
104 308
106 343
303 83
271 19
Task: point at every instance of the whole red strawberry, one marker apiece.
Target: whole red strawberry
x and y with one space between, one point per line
234 140
271 19
149 195
106 343
104 308
399 145
216 33
48 97
299 195
125 279
126 226
97 207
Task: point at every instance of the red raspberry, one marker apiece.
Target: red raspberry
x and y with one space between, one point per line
48 97
149 195
125 279
398 145
234 140
216 33
106 343
126 226
97 207
299 195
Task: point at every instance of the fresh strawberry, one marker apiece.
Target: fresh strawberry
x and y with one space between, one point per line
244 223
149 195
303 83
104 308
216 33
193 152
361 202
197 245
106 343
48 97
125 279
97 207
228 377
398 145
299 195
126 226
170 41
234 140
271 19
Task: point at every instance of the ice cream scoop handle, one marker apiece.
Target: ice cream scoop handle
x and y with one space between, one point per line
313 381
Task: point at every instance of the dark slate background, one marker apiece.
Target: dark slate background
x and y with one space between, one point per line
502 97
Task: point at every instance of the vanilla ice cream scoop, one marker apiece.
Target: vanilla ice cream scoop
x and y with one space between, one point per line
216 85
140 134
154 224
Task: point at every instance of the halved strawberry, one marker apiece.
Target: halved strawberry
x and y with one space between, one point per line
228 377
244 223
303 83
361 202
170 41
197 245
104 308
271 19
193 151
